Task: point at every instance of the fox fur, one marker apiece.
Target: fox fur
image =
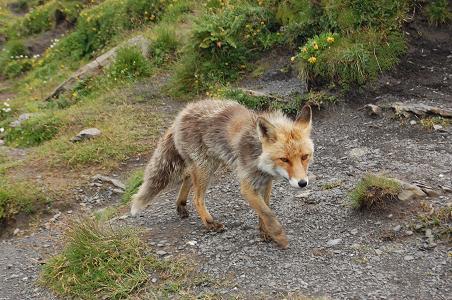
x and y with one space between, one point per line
258 147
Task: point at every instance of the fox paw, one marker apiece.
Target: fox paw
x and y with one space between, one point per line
214 226
182 211
281 240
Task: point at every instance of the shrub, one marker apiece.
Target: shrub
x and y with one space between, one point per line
34 131
374 191
438 12
16 67
129 64
10 66
299 19
221 44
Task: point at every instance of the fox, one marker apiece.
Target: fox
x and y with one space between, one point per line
258 147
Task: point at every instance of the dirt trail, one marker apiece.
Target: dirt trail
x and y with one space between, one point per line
333 251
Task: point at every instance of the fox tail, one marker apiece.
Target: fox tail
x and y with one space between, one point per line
166 166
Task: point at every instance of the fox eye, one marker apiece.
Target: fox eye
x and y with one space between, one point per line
283 159
305 157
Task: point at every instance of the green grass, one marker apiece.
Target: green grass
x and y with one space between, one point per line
99 262
374 191
438 12
129 64
34 131
18 197
133 184
429 122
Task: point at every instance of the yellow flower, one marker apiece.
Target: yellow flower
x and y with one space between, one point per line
312 59
330 39
305 49
292 58
315 46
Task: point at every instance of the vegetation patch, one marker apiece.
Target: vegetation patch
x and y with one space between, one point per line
438 219
34 131
430 122
18 197
438 12
374 191
130 65
99 262
133 184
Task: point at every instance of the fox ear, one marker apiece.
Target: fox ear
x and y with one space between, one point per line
266 130
304 118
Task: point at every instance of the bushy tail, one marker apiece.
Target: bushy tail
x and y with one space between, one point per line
166 165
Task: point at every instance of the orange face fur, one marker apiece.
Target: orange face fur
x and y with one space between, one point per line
287 147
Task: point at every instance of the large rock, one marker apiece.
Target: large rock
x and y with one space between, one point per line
86 134
420 109
409 191
95 66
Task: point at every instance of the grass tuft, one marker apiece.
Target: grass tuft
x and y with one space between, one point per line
438 12
99 262
18 197
133 184
374 191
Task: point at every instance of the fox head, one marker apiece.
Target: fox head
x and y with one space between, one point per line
287 148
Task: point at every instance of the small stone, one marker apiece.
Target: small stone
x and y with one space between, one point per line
86 134
428 233
16 231
408 257
413 122
22 117
373 110
397 228
437 127
378 252
161 252
304 194
354 231
408 232
154 280
390 216
192 243
334 242
69 212
24 278
123 217
118 191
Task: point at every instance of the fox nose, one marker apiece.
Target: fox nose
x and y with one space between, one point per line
302 183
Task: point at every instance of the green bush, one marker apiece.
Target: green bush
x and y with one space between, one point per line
299 19
33 131
129 64
222 42
438 12
164 44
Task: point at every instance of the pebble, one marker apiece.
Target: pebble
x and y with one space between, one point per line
161 252
408 232
413 122
378 252
397 228
354 231
334 242
408 257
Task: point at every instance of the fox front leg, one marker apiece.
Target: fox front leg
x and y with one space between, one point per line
271 224
266 194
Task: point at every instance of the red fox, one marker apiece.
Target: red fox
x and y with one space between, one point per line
258 147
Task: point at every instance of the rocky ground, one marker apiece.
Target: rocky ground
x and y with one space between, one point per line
333 251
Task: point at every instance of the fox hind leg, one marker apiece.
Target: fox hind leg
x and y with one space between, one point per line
200 180
181 201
